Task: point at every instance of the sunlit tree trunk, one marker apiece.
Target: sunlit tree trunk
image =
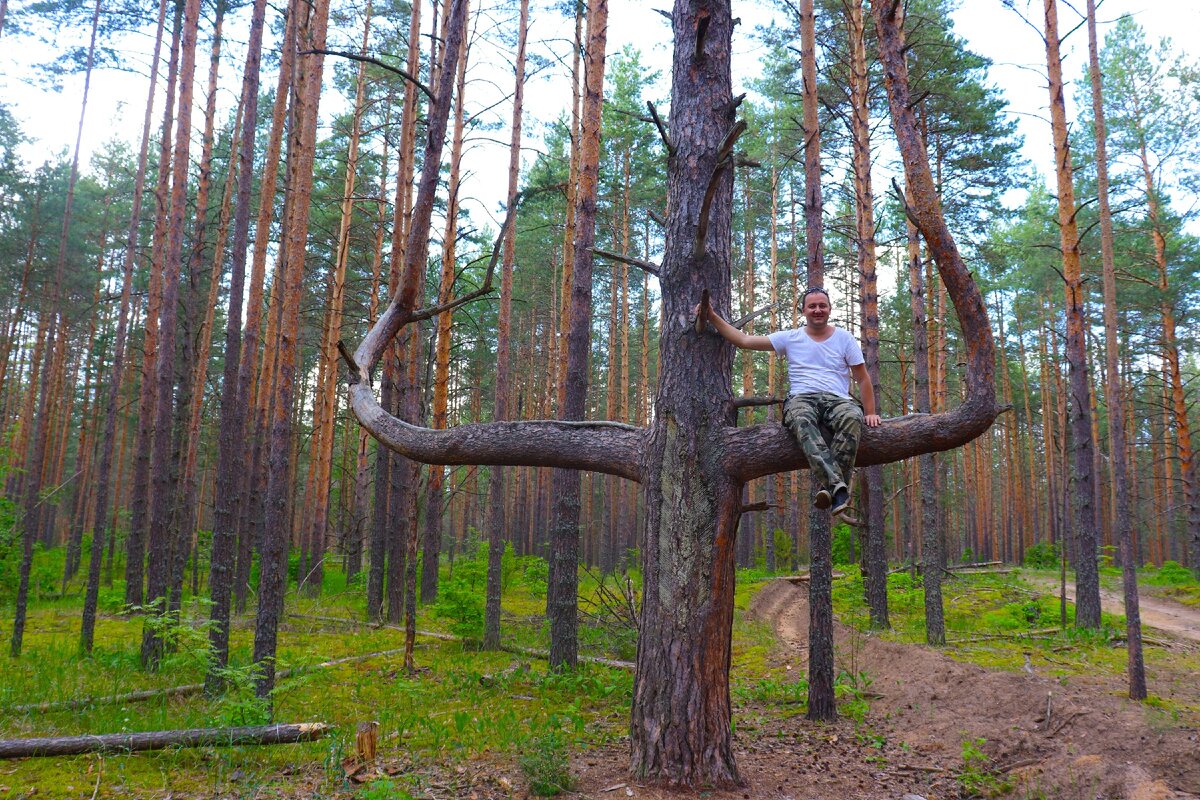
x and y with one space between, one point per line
302 145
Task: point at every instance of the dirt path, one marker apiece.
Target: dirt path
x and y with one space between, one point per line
1156 612
1074 740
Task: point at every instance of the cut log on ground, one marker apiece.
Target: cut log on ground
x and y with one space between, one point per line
159 740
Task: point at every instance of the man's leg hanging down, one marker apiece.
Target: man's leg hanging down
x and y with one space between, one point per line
845 418
802 417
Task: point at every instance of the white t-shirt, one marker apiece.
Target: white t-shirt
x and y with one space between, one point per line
818 366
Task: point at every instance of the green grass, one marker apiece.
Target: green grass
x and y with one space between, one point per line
997 620
461 705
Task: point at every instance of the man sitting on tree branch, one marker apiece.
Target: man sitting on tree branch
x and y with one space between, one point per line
821 358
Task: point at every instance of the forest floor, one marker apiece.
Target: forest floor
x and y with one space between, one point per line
1010 707
940 728
1156 612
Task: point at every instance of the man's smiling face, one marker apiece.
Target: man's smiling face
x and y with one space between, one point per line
816 309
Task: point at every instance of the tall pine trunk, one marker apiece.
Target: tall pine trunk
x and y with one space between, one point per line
497 519
301 152
1087 578
57 312
562 599
821 702
1135 665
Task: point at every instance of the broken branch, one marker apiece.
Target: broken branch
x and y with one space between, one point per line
662 128
648 266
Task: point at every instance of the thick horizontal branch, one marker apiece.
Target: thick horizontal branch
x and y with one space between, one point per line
159 740
753 401
767 448
610 447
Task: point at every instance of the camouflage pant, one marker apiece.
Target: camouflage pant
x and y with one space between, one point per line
805 415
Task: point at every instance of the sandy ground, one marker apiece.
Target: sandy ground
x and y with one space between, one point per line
1048 737
1164 615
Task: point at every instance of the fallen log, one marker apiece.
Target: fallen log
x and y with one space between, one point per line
159 740
976 564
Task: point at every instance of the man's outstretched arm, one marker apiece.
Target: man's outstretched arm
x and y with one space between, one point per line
734 336
866 390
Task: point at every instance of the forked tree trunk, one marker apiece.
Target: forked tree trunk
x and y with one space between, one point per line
1087 577
978 410
1135 665
692 461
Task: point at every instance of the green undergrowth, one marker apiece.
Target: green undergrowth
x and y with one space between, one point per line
461 705
1002 621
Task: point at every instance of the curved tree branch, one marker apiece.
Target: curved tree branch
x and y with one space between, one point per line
609 447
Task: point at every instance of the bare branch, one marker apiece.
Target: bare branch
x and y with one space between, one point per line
742 322
648 266
609 447
662 128
376 62
724 158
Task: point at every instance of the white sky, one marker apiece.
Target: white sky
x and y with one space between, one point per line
990 29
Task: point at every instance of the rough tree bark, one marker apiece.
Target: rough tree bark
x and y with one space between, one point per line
1087 576
302 146
162 461
822 704
1135 667
562 593
107 445
231 447
875 556
435 502
496 517
33 487
692 461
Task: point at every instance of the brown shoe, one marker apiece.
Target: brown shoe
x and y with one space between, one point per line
823 499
